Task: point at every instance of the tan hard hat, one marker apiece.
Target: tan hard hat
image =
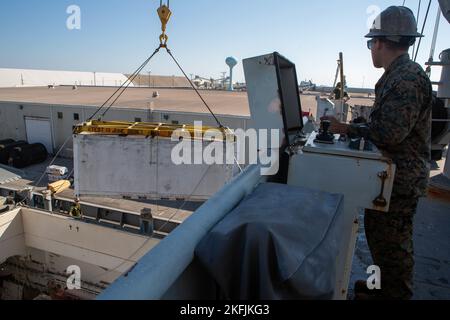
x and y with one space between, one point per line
445 8
394 23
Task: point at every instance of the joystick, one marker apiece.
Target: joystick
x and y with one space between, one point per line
325 136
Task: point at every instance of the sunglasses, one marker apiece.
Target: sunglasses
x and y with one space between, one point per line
370 43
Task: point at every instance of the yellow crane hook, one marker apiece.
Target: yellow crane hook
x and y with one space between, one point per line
164 14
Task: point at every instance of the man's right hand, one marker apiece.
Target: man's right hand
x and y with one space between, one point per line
336 126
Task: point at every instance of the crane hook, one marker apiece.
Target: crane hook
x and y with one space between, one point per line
164 14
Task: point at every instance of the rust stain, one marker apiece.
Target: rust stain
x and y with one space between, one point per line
439 194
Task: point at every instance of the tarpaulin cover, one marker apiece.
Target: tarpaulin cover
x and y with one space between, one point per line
278 243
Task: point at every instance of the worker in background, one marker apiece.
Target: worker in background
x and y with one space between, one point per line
400 126
10 199
338 91
75 210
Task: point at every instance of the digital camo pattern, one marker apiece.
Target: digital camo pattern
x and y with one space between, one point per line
400 124
389 236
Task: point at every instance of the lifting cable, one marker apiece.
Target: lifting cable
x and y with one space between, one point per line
164 14
124 86
423 29
195 89
418 18
130 80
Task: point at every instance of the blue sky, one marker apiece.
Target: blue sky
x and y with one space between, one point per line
117 35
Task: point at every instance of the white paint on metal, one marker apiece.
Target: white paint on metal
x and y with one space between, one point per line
335 108
325 107
135 166
444 86
341 149
331 169
102 253
96 245
263 94
12 242
52 243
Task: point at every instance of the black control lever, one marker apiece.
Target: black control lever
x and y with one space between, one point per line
380 201
325 136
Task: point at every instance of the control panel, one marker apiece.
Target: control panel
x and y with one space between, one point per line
342 146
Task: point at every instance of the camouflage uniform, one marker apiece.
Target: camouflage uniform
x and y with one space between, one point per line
75 211
400 126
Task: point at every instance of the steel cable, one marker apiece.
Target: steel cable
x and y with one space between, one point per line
131 79
423 29
195 89
124 86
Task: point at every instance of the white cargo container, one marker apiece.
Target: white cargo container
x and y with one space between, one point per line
141 167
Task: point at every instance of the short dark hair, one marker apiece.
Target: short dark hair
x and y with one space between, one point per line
403 44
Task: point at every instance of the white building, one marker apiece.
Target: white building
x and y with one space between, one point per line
47 115
11 78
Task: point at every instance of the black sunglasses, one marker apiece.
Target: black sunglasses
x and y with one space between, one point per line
370 43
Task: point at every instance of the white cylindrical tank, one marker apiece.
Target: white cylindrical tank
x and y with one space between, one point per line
444 86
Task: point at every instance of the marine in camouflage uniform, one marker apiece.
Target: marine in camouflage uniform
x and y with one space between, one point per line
75 210
400 126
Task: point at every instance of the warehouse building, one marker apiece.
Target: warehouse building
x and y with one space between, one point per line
47 114
13 78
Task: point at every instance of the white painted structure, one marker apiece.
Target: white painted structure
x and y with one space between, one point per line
136 166
331 168
10 78
354 174
53 243
335 108
62 118
66 107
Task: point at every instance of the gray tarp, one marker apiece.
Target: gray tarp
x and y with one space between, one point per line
279 243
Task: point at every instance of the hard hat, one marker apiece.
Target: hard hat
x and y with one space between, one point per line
395 23
445 8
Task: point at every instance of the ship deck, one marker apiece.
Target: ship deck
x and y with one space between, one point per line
167 211
431 236
431 246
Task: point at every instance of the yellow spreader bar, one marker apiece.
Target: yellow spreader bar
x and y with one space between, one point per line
146 129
